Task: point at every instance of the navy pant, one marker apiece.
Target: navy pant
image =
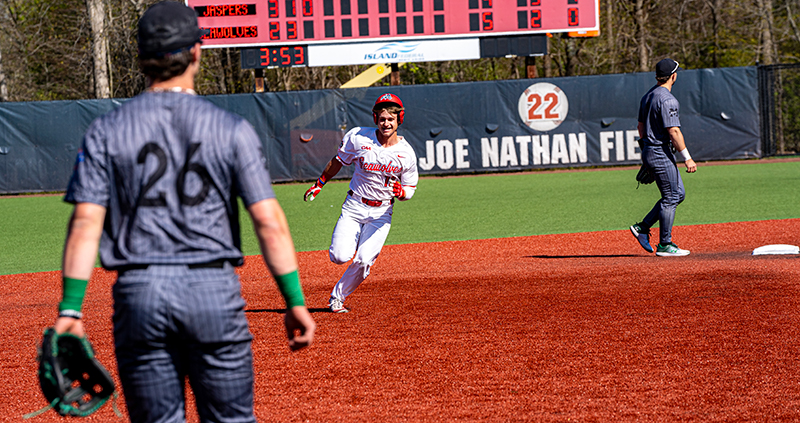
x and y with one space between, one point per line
172 322
661 162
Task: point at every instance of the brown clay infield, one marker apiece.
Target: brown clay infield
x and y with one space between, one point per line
552 328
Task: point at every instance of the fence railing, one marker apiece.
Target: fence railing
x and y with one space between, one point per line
779 97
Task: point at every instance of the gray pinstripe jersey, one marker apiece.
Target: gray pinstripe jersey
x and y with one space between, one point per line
658 111
167 167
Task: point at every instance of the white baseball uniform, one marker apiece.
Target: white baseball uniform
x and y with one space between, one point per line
366 216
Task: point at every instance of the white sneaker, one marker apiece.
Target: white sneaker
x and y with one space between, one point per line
670 250
337 306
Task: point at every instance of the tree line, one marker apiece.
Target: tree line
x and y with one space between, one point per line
84 49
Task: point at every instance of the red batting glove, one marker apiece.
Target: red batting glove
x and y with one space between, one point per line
314 190
397 190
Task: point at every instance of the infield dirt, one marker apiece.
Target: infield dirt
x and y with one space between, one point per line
577 327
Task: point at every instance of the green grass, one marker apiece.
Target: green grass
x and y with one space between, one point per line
444 209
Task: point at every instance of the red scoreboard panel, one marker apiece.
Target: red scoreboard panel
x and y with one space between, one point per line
232 23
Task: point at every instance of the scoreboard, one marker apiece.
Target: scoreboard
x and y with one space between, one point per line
286 27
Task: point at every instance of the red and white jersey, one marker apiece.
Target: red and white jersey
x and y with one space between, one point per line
377 167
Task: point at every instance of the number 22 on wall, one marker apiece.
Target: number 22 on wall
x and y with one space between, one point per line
536 103
543 106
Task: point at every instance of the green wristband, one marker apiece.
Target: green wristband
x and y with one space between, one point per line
73 292
289 285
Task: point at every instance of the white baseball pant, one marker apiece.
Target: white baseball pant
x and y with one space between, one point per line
359 234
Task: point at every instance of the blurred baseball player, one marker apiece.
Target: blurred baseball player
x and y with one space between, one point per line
385 169
155 184
660 132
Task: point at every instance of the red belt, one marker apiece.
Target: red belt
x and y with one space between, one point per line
371 203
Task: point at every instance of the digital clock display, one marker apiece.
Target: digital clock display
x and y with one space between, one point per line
288 22
274 57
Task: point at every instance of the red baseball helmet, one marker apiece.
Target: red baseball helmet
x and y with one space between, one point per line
389 99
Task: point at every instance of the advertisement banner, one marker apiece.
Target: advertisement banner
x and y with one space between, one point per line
476 127
393 52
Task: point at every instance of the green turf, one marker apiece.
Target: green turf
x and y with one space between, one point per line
487 206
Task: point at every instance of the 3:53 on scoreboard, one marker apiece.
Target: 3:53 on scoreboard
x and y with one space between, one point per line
239 23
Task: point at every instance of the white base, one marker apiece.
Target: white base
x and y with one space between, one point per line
776 249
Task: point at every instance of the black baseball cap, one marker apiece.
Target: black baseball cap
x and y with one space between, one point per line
167 27
666 67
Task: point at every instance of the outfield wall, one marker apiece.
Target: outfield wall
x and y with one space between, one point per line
454 128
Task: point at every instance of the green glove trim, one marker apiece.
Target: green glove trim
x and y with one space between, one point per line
73 292
289 285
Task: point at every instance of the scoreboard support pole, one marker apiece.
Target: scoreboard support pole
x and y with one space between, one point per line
259 80
395 78
530 67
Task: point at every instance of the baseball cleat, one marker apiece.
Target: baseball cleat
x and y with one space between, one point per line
670 250
643 237
337 306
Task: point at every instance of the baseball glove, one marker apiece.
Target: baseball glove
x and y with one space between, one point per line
71 378
644 176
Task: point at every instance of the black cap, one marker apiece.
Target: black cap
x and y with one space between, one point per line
666 68
167 27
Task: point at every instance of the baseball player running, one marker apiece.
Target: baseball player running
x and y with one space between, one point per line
154 184
659 132
385 169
